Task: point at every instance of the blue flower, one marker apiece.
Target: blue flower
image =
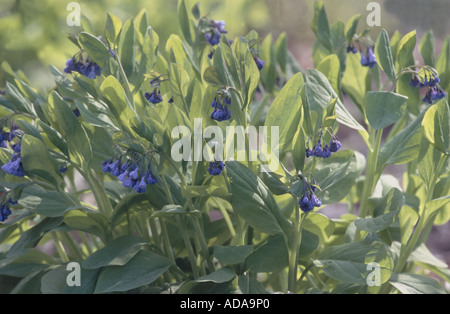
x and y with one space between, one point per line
76 112
63 168
149 178
335 145
216 29
140 186
134 174
115 168
14 166
324 152
5 211
105 165
307 203
432 81
215 168
369 59
154 97
88 68
415 82
434 93
352 49
221 112
259 63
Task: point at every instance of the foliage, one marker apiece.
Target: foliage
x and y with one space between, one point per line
159 224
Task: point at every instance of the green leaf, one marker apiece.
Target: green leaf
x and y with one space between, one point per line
212 76
31 237
88 221
113 28
126 47
349 262
405 50
436 126
337 174
320 25
36 160
443 64
408 218
117 102
66 123
331 68
285 112
45 202
96 50
116 253
402 147
269 256
356 80
350 27
384 55
54 281
185 22
143 269
384 108
232 255
219 276
320 93
426 48
252 200
408 283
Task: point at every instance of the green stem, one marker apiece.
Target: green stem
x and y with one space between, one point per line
184 234
371 172
168 248
59 248
295 248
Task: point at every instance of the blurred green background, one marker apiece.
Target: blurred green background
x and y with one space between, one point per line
33 32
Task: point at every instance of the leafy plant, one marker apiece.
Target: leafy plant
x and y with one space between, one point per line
143 221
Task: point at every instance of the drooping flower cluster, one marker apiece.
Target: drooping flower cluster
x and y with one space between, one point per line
430 80
221 111
216 167
351 48
14 166
132 173
259 63
85 66
369 59
214 32
5 209
324 152
155 96
309 200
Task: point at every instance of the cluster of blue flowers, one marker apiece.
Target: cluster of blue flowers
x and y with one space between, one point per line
216 167
435 92
351 48
215 31
5 209
132 174
155 96
369 59
309 200
88 68
221 111
324 152
14 166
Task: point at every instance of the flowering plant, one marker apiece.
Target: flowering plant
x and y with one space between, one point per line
94 169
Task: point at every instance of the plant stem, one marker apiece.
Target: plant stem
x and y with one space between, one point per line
371 172
295 248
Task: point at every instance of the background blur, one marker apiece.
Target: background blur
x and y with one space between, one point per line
33 35
32 32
